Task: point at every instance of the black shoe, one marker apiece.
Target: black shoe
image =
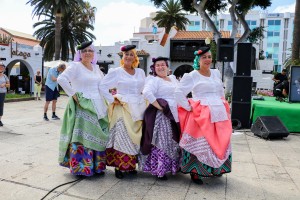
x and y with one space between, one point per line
54 117
133 172
196 180
219 175
46 118
164 178
1 124
101 173
119 174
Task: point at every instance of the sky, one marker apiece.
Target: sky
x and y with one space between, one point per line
116 20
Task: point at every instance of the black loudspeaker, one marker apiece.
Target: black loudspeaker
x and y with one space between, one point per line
269 127
240 114
225 49
242 88
241 101
244 59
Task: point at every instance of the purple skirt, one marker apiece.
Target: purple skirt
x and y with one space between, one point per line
84 161
159 163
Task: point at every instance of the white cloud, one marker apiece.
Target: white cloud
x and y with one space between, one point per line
118 20
285 8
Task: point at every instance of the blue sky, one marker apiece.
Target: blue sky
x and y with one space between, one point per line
116 20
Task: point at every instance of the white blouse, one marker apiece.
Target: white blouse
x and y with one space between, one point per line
156 87
209 90
129 89
77 78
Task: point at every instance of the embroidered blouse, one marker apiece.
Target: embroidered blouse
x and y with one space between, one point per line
156 87
77 78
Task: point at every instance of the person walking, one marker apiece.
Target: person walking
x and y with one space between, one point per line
4 84
52 90
37 85
125 113
204 120
159 144
85 121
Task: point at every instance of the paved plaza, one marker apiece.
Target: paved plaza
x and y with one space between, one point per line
261 169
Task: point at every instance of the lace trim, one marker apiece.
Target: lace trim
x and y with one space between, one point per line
120 140
201 149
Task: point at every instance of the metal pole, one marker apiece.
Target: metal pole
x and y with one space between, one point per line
223 72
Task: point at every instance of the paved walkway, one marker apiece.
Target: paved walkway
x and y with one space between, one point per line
29 170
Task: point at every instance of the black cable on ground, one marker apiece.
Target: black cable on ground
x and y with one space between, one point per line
60 186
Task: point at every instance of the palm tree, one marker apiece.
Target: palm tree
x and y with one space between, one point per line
171 15
57 9
73 31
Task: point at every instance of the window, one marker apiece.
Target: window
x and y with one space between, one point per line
277 22
229 23
276 33
269 45
192 23
270 22
253 23
270 34
197 23
276 45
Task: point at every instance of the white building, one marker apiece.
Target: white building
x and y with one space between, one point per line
22 58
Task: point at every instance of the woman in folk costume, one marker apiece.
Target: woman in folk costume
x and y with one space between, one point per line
84 133
160 126
125 113
204 120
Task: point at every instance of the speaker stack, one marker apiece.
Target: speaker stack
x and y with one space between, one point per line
242 87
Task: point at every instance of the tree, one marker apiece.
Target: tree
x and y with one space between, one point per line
170 16
56 8
296 35
74 31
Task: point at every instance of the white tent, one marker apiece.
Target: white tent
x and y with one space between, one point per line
54 63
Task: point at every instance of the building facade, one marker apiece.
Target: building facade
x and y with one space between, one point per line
22 57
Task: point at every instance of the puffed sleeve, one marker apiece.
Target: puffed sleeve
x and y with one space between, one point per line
218 74
150 88
184 87
110 79
65 79
105 93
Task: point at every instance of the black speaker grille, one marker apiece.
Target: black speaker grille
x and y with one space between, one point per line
242 89
269 127
225 49
244 59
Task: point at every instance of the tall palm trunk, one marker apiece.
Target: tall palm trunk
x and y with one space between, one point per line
296 34
57 35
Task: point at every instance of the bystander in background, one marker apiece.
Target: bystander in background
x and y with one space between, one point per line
4 83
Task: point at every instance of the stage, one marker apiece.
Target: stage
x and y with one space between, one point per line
289 113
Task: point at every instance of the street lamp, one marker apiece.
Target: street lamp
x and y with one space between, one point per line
207 41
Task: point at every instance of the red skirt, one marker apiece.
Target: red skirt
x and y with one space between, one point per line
120 160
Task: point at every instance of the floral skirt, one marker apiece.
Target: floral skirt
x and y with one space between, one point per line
159 163
123 161
190 164
84 161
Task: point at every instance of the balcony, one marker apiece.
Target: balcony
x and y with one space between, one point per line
183 50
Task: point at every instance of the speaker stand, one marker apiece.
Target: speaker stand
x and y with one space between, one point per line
223 71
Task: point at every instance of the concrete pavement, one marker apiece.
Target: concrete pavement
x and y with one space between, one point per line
262 169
